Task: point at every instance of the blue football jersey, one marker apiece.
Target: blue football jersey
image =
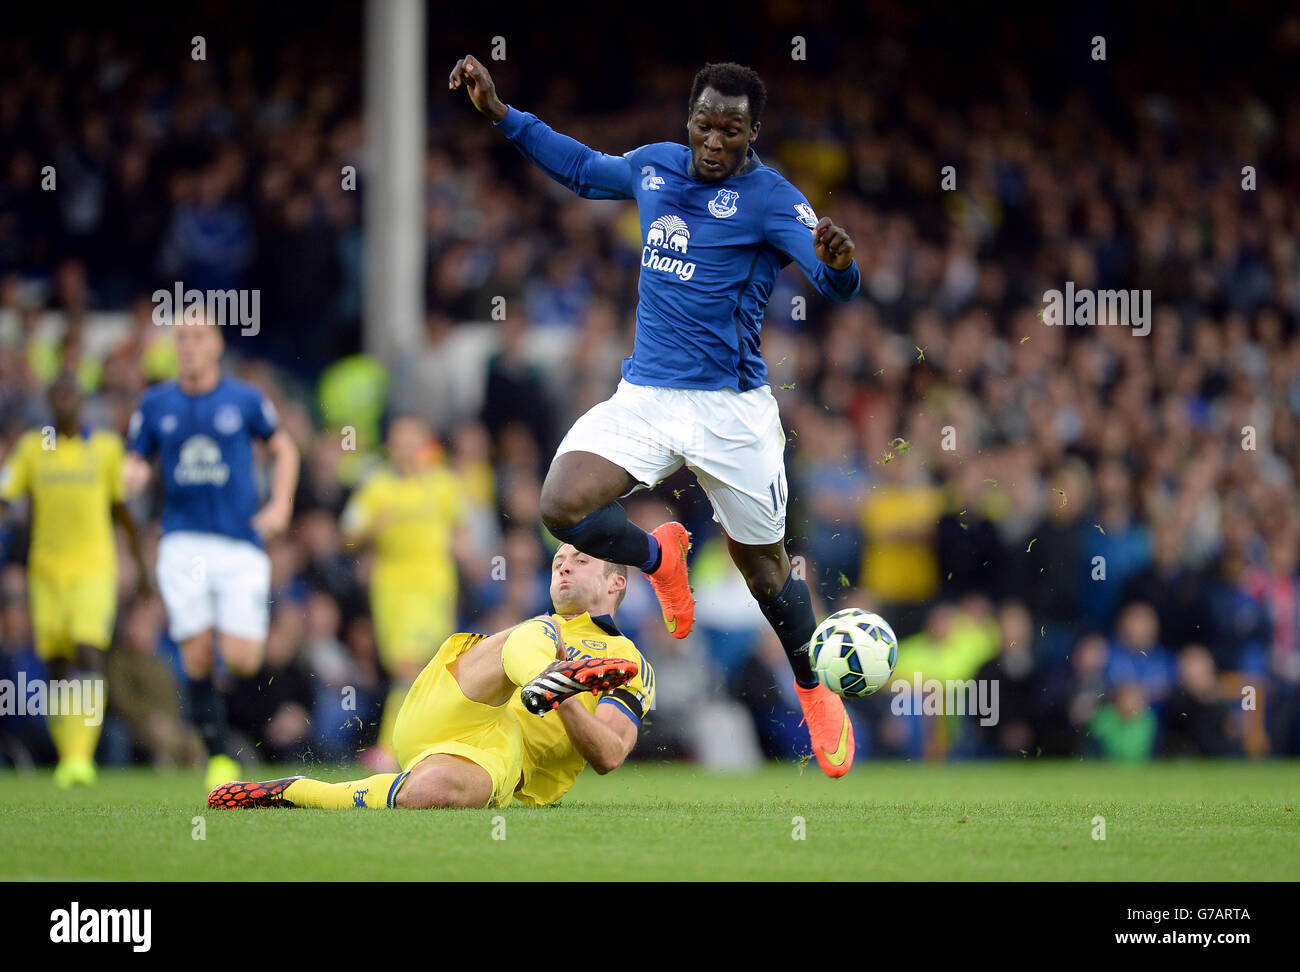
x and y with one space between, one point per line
206 447
710 252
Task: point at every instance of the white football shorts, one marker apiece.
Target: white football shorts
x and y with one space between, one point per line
731 440
212 581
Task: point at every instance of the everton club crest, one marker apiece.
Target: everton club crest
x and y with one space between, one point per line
724 203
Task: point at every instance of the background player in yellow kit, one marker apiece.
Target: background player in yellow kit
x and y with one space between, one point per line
74 479
409 512
466 738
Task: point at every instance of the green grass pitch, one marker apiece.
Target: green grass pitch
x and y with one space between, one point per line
1031 820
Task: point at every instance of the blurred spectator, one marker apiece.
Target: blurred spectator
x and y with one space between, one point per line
1086 690
143 692
1277 585
1126 728
1178 595
1020 695
1239 629
273 709
766 689
900 566
515 391
1195 719
1136 657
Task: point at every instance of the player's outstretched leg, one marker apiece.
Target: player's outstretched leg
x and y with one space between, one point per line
562 680
372 793
579 505
786 602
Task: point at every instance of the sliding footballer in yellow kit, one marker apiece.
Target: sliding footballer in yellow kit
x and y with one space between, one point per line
471 731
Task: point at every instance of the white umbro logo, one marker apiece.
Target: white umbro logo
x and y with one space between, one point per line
651 182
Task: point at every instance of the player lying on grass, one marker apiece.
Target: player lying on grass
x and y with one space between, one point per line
469 732
718 226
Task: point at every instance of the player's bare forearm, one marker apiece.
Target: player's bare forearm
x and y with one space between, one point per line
284 478
833 244
136 474
123 518
482 91
604 739
274 517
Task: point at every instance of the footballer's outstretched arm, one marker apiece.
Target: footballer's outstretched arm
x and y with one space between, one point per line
590 174
604 738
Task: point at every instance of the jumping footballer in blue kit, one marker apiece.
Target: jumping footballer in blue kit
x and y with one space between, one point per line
213 573
717 226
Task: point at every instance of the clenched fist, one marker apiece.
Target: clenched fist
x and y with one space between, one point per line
478 82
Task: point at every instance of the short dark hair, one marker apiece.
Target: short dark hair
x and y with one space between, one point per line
730 78
621 570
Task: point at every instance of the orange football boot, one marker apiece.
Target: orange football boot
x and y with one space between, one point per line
828 728
562 680
670 582
251 795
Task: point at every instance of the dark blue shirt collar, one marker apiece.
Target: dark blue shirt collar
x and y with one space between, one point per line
606 624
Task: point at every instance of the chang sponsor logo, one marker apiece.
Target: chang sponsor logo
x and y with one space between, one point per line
200 463
672 234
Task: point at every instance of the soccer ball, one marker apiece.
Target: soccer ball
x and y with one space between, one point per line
853 652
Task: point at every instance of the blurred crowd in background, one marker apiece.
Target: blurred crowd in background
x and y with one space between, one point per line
1105 523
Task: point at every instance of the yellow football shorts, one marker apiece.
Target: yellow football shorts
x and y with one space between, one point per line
67 613
410 622
436 717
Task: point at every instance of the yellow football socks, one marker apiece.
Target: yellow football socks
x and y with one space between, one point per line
373 793
73 738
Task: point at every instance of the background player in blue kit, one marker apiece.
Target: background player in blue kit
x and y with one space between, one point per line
212 572
718 226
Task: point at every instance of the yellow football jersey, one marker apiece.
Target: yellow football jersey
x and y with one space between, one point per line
73 487
894 567
551 763
416 517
